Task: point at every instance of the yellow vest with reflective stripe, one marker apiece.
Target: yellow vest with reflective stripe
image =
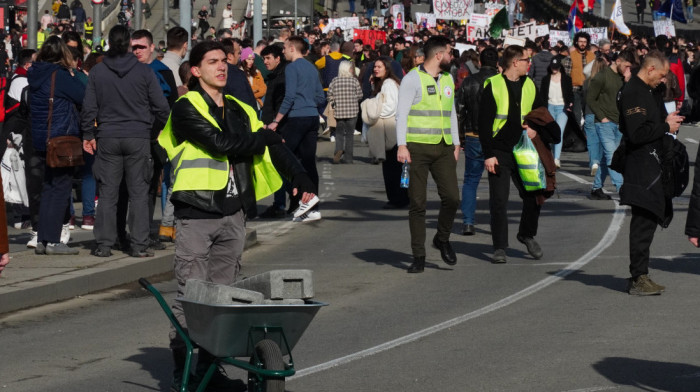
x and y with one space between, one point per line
40 38
197 169
500 95
429 120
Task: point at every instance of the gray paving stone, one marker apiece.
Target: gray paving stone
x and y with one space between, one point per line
281 284
219 294
283 302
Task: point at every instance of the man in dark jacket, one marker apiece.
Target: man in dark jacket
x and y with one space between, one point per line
237 82
540 63
467 102
644 123
124 98
214 140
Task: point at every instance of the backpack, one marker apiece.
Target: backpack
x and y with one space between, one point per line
676 180
7 104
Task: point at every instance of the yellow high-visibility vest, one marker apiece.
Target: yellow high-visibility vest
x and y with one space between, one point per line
429 120
197 169
500 95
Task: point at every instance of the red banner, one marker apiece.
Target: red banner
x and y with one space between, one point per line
369 37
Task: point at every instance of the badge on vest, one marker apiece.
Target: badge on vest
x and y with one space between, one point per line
448 92
432 90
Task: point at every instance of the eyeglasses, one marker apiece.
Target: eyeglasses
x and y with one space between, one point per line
138 47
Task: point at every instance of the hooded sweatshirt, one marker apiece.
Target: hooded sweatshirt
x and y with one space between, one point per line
124 97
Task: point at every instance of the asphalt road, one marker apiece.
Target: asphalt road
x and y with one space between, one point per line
562 323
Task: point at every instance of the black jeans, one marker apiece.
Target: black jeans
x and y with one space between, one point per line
642 229
391 169
301 135
499 191
55 201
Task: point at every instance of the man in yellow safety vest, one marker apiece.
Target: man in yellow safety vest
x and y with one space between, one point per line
428 140
505 101
222 159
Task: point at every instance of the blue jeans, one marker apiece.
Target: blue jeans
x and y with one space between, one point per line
370 13
557 112
473 169
595 150
609 136
690 12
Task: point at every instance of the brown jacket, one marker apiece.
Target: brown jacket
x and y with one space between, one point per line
577 77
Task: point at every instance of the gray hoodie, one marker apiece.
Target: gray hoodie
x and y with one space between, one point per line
538 68
124 97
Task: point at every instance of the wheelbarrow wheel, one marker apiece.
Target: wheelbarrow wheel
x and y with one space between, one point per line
270 356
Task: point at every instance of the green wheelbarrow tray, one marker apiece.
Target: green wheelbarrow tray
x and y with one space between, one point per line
262 332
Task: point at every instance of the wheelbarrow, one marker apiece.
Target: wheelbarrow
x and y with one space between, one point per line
263 333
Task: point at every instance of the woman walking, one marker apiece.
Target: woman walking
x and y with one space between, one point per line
558 92
344 94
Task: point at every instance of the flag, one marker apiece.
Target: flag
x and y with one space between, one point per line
617 19
673 9
588 6
499 23
574 21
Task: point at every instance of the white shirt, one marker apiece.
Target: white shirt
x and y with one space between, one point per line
172 60
18 84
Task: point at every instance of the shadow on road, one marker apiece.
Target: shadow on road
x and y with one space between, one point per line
611 282
647 375
392 258
687 263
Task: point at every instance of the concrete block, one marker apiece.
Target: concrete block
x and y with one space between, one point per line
281 284
219 294
283 302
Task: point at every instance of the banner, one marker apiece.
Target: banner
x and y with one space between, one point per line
344 23
475 32
425 20
513 41
529 30
664 27
480 20
596 33
464 47
541 30
559 35
453 9
369 37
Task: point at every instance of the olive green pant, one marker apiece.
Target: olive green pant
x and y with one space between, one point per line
439 161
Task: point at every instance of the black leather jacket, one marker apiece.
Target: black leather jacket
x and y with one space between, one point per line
238 142
467 100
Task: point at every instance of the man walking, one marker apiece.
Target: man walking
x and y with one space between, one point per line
428 138
303 97
212 140
644 124
581 55
505 101
124 98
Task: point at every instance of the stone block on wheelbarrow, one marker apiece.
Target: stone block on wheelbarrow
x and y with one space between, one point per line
220 294
281 284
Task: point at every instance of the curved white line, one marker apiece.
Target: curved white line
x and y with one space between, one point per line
607 240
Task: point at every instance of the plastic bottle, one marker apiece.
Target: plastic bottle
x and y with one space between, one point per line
404 175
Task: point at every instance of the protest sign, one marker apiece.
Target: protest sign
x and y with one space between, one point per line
480 20
453 9
541 30
477 32
559 35
664 27
369 37
596 33
347 23
425 20
463 47
513 41
493 8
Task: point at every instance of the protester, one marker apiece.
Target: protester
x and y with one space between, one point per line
344 94
558 92
255 78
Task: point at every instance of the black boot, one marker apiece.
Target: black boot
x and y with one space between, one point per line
179 358
418 265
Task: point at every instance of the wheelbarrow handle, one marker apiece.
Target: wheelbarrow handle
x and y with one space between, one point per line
144 283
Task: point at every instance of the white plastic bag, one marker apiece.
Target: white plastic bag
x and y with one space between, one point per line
14 183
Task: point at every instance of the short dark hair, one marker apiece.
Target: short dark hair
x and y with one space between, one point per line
138 34
582 34
177 37
25 56
489 57
299 43
227 45
510 53
434 44
274 50
197 55
119 41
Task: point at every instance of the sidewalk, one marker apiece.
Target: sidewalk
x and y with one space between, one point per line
33 280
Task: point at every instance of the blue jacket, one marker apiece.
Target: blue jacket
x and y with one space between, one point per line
68 93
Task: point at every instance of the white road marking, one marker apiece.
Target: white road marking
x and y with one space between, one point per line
691 140
593 389
606 240
574 177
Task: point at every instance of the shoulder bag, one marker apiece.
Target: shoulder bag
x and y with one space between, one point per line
61 151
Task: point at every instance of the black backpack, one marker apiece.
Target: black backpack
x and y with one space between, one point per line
677 171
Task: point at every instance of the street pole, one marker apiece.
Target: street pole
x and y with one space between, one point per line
186 21
166 11
32 20
602 8
97 24
257 21
138 14
295 17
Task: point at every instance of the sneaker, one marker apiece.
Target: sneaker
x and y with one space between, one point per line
533 248
23 225
557 163
60 249
155 244
33 241
40 249
65 233
273 212
102 252
336 157
308 217
326 131
468 229
594 169
499 256
332 139
304 207
71 223
642 286
357 133
88 222
141 253
598 194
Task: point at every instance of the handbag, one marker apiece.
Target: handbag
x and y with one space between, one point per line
372 109
61 151
330 115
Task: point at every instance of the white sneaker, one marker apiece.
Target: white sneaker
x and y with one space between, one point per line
557 163
32 241
308 217
304 207
321 120
594 169
332 139
326 131
65 234
357 133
